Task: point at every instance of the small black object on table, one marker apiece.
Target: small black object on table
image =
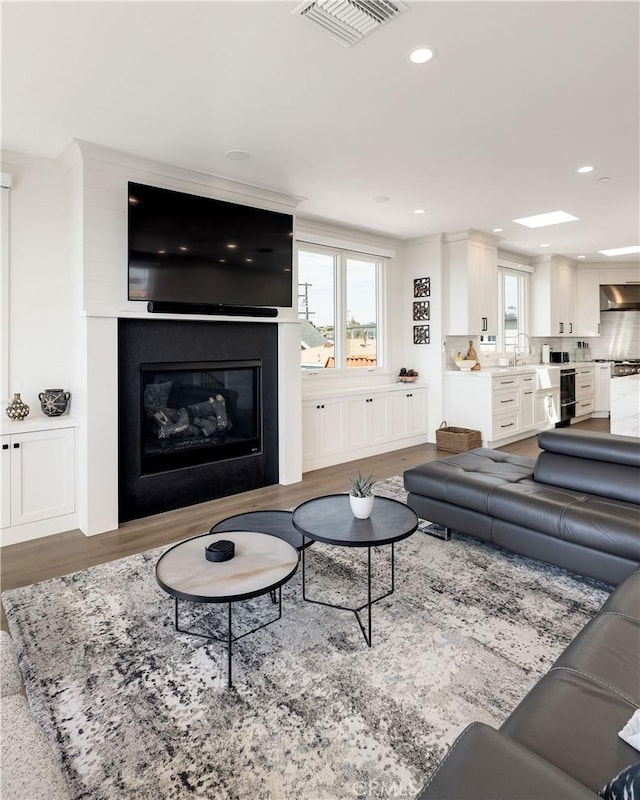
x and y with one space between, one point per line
329 520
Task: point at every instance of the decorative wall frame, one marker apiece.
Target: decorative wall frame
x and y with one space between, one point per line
421 334
421 310
422 287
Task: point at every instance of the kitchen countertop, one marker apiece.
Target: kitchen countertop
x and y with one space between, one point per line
625 405
519 370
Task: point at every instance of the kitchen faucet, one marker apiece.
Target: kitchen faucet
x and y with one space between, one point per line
515 347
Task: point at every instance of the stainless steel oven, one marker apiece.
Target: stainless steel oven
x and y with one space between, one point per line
567 396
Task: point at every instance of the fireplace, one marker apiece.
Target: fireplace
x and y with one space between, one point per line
198 412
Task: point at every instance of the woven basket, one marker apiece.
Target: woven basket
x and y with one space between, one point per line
457 440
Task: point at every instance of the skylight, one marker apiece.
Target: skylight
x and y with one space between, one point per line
550 218
621 251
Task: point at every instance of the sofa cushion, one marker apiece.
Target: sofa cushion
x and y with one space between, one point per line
29 769
618 481
10 676
608 648
626 598
591 445
573 722
468 479
606 525
484 764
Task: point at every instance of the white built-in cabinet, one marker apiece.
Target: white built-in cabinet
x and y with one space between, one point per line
585 391
553 297
587 302
38 481
602 378
472 284
343 425
503 406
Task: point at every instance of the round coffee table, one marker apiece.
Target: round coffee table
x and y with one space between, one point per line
329 519
261 564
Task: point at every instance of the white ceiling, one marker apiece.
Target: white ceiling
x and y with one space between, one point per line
519 96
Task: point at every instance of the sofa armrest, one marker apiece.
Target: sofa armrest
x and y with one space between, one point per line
485 764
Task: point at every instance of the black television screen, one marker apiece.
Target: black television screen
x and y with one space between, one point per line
189 249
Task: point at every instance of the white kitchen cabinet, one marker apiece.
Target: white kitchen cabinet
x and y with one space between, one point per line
472 284
408 412
585 391
503 406
587 314
553 294
602 378
323 427
41 470
546 409
339 426
367 420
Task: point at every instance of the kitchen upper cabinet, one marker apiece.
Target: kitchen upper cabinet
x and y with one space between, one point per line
587 302
553 294
472 283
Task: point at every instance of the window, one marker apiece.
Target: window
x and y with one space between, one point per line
513 286
339 305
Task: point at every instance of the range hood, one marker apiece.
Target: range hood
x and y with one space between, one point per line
620 297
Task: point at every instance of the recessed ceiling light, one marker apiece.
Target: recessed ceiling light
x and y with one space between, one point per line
586 168
581 256
381 198
161 252
420 55
237 155
549 218
419 211
232 246
621 251
604 178
544 245
498 230
183 248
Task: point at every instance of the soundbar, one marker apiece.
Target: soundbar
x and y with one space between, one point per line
163 307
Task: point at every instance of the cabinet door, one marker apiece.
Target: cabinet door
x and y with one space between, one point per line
398 423
417 419
588 302
378 419
565 300
357 422
332 427
311 437
42 475
483 289
527 406
603 382
547 409
6 481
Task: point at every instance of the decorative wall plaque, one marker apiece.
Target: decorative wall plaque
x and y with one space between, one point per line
421 334
422 287
421 310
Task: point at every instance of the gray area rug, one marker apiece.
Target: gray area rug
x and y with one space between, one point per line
136 710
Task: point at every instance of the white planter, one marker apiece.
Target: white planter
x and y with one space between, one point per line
361 507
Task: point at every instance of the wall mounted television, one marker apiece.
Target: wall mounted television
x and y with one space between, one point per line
186 249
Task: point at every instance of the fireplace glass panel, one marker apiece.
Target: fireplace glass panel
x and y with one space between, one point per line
198 413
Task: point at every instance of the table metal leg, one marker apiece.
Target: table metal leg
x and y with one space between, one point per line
229 641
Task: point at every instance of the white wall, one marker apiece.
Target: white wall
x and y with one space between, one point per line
43 283
424 258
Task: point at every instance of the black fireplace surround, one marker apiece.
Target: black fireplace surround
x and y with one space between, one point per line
198 412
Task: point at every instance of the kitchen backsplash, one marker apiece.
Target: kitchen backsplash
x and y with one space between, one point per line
619 339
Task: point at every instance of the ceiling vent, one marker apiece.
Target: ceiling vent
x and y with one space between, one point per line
349 21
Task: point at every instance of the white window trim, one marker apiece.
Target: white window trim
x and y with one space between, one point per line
341 254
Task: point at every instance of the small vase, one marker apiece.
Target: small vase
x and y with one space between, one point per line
361 507
17 410
54 402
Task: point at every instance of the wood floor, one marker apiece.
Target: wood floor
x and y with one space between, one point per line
52 556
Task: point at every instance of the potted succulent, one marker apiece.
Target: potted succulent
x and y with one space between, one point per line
361 495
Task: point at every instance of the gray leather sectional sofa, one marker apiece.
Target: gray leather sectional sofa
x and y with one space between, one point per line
577 507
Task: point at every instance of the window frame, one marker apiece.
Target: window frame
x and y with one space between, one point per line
340 258
524 291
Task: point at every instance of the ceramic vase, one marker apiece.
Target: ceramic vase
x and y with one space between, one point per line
54 402
17 410
361 507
